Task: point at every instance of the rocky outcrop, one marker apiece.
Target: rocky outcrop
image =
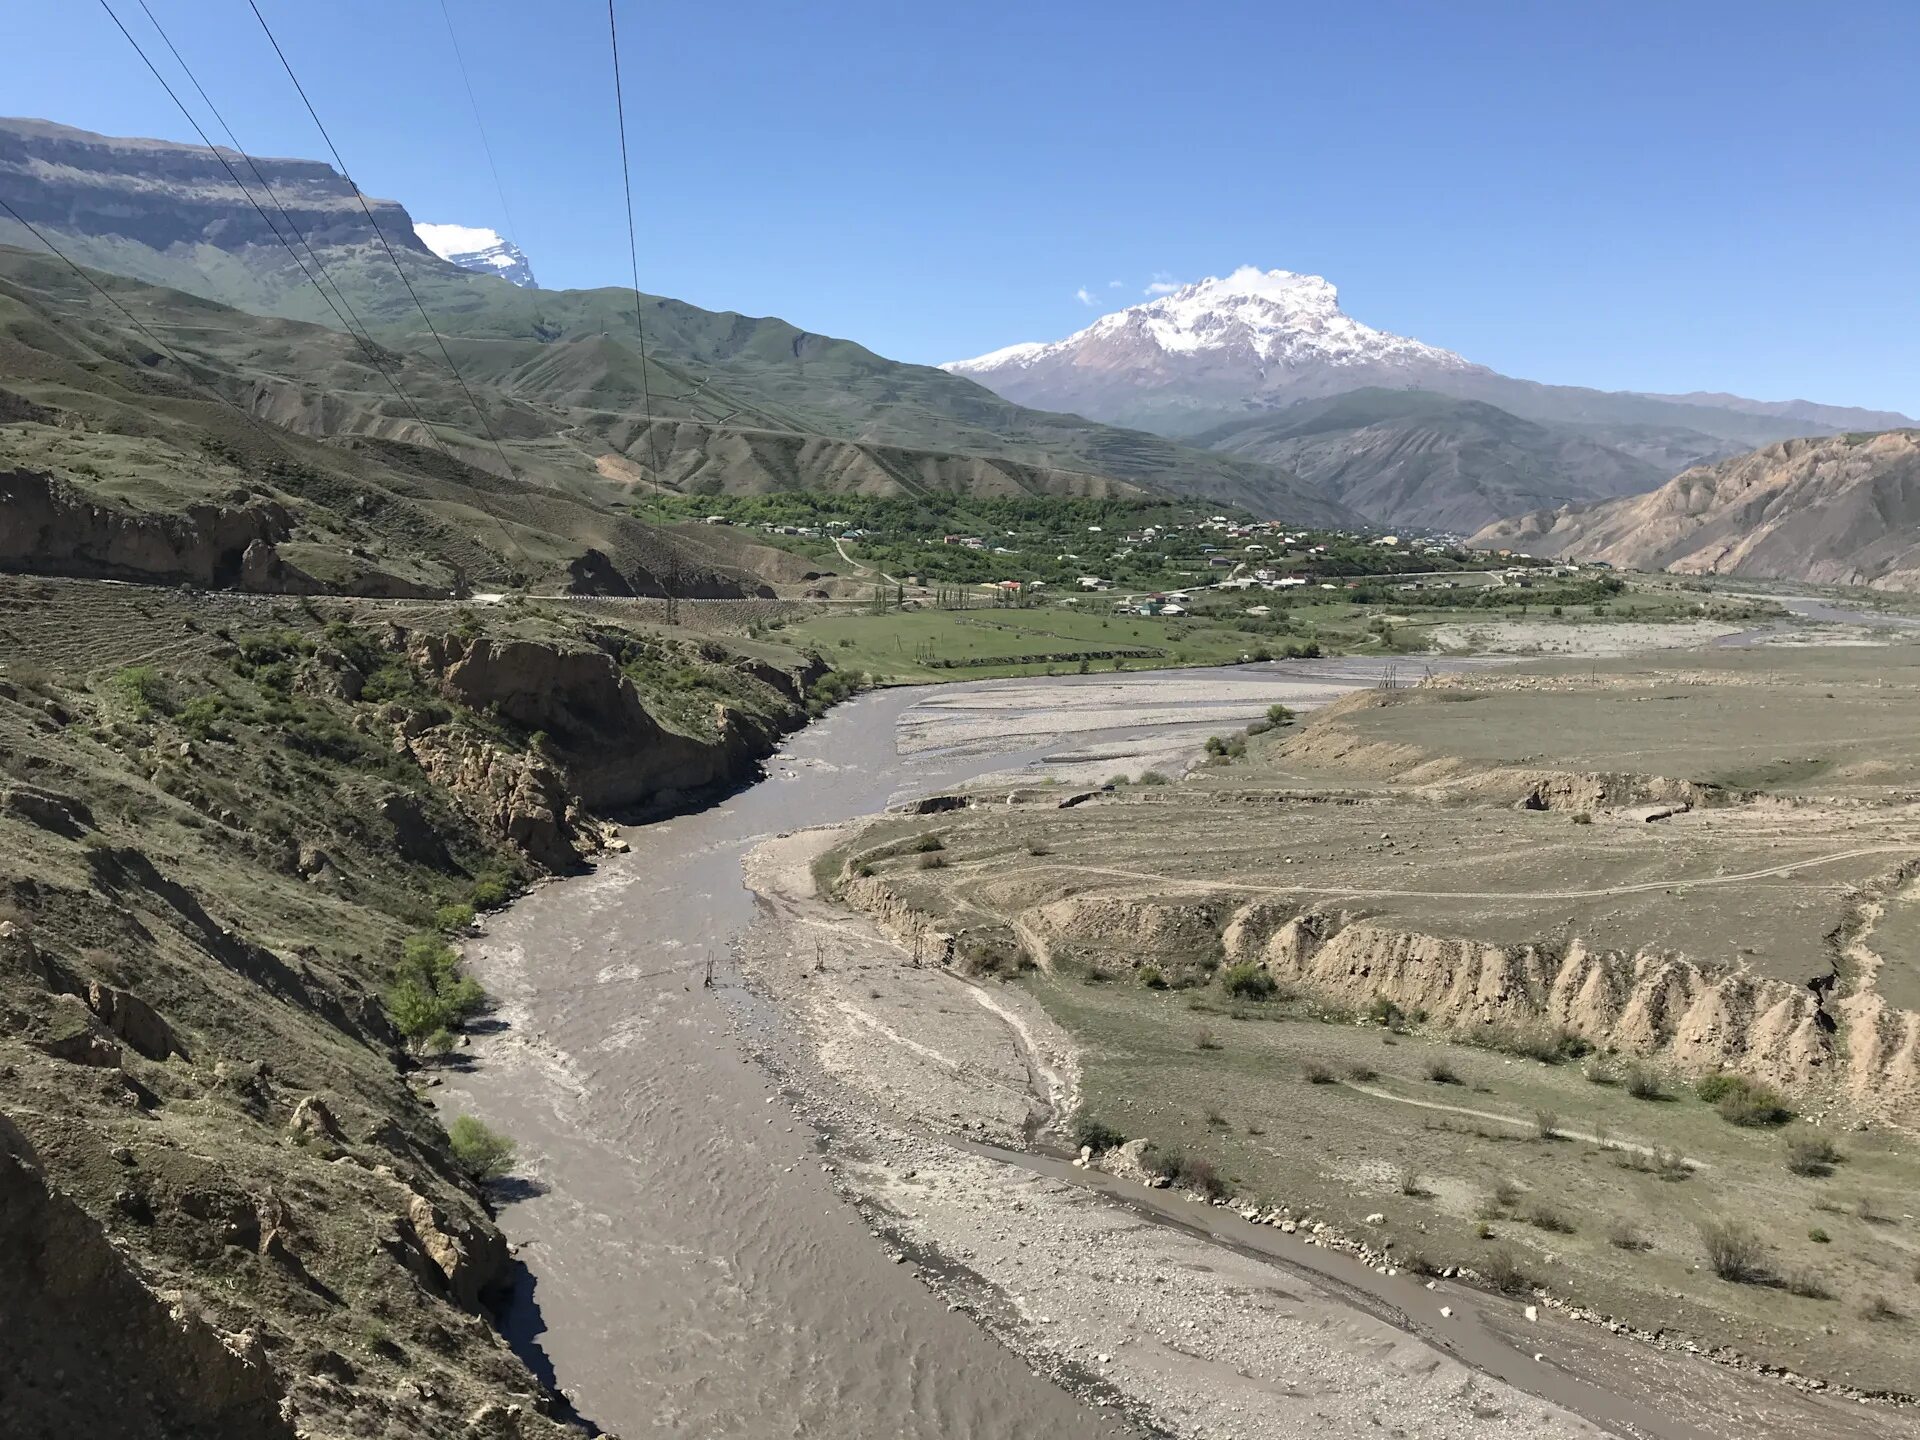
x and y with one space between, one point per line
602 750
516 795
50 528
134 1021
469 1256
47 528
167 1372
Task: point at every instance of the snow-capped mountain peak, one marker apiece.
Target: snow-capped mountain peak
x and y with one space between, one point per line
477 248
1221 347
1264 316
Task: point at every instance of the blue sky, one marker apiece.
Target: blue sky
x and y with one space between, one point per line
1698 195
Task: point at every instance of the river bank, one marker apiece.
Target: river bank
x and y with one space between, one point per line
1192 1319
690 1262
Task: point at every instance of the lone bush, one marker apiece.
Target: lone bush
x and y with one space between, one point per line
1441 1073
451 917
1813 1155
1202 1177
1545 1217
1384 1012
1247 981
1623 1236
428 992
1505 1274
1741 1101
141 690
1095 1135
1643 1084
1279 715
1734 1252
481 1152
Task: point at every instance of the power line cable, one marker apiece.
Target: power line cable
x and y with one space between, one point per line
363 341
633 246
241 150
380 234
672 585
480 124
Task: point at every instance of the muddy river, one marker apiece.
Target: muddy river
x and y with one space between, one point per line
688 1268
688 1265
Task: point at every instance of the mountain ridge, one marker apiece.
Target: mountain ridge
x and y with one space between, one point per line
1840 510
1255 341
718 370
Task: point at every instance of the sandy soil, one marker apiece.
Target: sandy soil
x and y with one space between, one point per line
1549 637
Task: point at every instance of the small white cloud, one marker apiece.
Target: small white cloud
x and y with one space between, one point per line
1085 296
1116 284
1163 284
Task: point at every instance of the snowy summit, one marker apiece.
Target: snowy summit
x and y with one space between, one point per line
473 247
1270 316
1252 340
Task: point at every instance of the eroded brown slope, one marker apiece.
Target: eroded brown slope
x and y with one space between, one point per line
1843 510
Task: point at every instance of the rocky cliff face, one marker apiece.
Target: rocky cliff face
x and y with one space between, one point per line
160 194
47 528
600 752
1839 511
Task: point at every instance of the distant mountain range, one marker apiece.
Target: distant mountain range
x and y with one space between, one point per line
1839 510
485 252
739 403
1255 390
1260 340
1240 363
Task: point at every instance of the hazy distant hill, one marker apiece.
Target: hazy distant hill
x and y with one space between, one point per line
169 214
1836 510
1416 458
